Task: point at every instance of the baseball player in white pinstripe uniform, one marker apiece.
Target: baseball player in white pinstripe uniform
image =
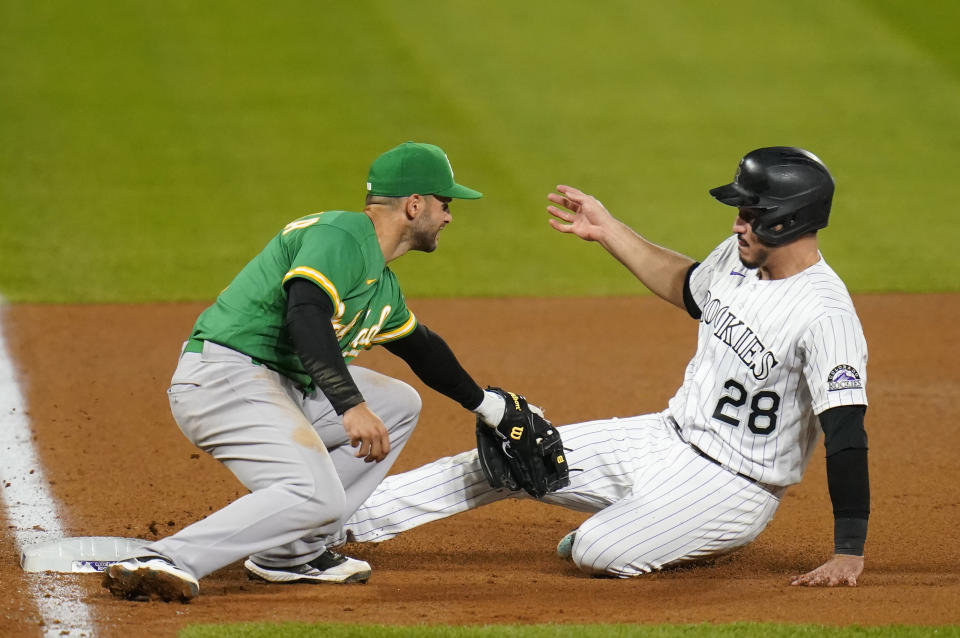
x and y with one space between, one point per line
780 356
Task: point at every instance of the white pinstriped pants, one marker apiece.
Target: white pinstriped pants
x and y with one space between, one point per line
657 501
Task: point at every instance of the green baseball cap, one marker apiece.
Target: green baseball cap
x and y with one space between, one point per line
414 167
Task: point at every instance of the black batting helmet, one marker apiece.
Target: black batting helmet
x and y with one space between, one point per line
790 188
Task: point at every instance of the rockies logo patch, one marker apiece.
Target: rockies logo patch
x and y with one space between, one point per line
844 377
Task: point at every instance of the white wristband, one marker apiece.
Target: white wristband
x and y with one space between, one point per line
491 409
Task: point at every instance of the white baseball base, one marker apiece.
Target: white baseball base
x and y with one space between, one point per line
79 554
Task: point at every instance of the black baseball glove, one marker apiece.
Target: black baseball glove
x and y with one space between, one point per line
524 451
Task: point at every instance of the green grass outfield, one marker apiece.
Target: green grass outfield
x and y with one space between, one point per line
736 630
149 149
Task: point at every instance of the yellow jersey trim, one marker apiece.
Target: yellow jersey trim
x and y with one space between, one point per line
402 331
320 279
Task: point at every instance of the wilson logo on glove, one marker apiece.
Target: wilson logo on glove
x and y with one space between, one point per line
524 451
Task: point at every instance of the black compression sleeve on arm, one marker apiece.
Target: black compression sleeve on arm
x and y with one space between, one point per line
309 311
431 359
847 476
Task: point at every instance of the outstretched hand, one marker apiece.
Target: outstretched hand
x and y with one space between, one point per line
839 570
584 216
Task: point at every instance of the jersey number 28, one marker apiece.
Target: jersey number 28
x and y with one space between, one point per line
763 408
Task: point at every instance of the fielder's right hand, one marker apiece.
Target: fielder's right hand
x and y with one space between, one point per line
366 430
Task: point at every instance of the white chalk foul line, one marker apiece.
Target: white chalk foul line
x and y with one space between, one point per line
31 508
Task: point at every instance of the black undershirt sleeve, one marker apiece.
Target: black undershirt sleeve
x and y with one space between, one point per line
431 359
848 479
309 311
688 301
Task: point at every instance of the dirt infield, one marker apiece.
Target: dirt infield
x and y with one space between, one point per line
95 376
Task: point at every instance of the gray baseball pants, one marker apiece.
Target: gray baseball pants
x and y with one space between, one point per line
289 449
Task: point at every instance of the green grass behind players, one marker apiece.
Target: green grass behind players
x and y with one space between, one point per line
150 149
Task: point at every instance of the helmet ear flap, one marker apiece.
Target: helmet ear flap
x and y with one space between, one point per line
781 227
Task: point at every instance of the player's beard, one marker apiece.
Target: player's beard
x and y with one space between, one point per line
758 254
755 262
424 236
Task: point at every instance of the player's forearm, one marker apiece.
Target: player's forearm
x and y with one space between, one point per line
848 478
432 360
660 269
849 487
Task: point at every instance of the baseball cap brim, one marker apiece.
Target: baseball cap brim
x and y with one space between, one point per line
734 195
459 192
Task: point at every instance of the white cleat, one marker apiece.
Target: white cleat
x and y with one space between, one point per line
328 567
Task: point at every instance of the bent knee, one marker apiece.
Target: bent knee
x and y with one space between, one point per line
400 407
314 505
408 401
594 553
397 403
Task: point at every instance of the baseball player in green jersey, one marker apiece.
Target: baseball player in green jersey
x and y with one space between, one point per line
263 385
